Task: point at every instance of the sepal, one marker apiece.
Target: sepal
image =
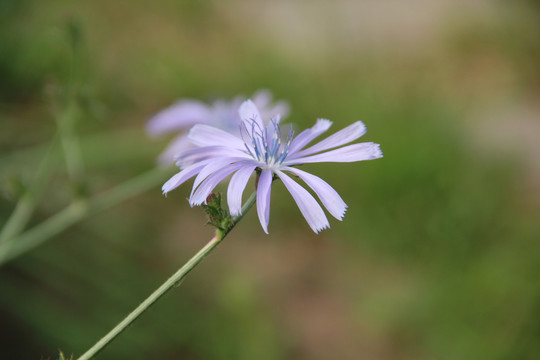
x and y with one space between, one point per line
217 216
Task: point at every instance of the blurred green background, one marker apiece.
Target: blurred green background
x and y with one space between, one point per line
438 256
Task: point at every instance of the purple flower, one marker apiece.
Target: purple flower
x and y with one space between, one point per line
262 148
221 114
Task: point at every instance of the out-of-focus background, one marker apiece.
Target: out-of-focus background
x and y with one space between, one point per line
438 256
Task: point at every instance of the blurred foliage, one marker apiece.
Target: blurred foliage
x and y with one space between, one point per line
437 257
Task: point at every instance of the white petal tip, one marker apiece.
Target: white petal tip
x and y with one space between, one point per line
376 152
247 103
341 215
170 185
361 127
318 230
321 227
323 123
196 202
235 213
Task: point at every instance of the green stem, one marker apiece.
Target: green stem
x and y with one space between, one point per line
72 153
76 212
70 143
27 202
18 218
167 285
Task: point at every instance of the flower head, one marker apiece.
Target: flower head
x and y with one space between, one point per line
262 149
220 114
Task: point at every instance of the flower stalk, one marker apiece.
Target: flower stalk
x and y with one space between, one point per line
221 233
27 202
76 212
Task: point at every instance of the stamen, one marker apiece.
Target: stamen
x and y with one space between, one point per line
270 151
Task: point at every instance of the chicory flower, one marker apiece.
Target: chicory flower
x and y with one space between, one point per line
262 149
221 114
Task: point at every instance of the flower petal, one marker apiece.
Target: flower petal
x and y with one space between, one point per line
211 167
206 187
342 137
248 113
351 153
273 131
225 115
236 188
280 108
306 136
178 116
264 188
205 135
182 176
307 204
328 196
198 154
176 146
263 100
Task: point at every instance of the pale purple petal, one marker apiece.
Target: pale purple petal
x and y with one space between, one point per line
273 131
328 196
178 116
351 153
263 100
281 107
182 176
195 155
263 198
342 137
307 204
236 188
276 119
248 112
178 145
306 136
211 167
225 115
205 135
202 192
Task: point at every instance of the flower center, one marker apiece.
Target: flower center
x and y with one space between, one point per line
266 145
